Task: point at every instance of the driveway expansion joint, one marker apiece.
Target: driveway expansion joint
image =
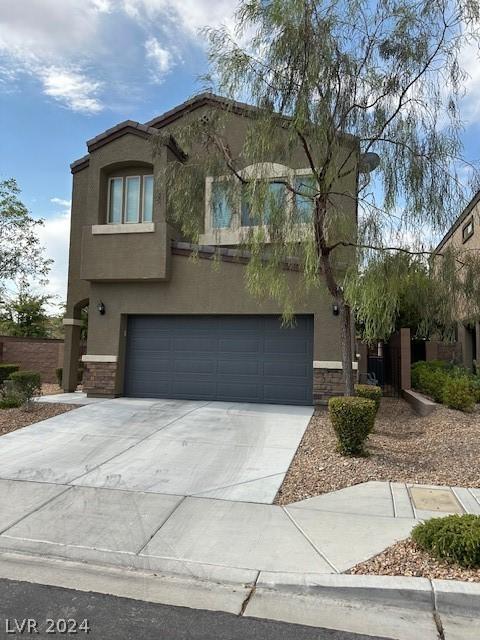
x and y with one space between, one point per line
307 538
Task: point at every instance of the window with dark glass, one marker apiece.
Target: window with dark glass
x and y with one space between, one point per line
221 208
305 187
275 197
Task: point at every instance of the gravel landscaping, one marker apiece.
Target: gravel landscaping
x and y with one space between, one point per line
13 419
50 388
442 448
407 559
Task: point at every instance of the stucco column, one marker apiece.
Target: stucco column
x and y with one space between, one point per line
71 357
405 359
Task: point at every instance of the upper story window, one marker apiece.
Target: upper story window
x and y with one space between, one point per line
467 230
130 199
221 207
275 197
228 202
304 185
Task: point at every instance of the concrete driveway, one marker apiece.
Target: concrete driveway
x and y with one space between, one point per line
220 450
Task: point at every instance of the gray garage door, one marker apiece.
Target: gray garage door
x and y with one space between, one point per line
232 358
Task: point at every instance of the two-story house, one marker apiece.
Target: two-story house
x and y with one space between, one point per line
464 237
163 325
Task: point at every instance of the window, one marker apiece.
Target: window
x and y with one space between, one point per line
303 203
115 198
130 199
274 198
147 198
221 209
467 230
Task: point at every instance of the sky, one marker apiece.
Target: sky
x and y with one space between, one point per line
69 69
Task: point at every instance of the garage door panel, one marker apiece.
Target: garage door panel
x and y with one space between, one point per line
195 386
246 366
239 345
286 369
194 366
240 392
230 358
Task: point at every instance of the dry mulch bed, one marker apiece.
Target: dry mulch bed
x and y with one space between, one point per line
13 419
442 448
407 559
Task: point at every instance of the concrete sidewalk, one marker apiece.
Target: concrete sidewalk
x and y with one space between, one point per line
211 538
59 504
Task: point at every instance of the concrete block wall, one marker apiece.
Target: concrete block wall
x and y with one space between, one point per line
34 354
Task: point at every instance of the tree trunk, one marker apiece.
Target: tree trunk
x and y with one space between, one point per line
347 353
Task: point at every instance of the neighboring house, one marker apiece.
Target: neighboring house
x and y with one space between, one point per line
162 324
464 236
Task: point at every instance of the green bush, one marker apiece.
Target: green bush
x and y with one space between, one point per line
352 420
453 538
475 381
422 367
458 394
27 384
370 392
59 375
6 370
432 383
10 402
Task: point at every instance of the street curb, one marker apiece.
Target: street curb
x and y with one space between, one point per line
457 597
390 591
448 597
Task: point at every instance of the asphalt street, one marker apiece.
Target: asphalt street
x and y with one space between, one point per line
39 611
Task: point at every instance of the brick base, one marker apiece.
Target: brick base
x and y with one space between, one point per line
326 384
99 378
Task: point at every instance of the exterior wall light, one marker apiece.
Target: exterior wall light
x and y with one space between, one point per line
335 309
101 308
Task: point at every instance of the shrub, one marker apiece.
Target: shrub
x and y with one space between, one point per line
59 375
352 420
421 367
453 538
475 382
10 402
370 392
432 383
27 384
458 394
9 396
6 370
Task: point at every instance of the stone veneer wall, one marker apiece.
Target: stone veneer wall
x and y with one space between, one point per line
99 378
327 383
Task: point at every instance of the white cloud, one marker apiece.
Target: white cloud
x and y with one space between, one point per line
161 60
71 47
470 63
71 88
55 237
66 205
191 14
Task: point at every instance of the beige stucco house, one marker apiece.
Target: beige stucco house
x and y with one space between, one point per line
464 237
163 325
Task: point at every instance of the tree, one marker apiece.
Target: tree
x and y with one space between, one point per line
21 254
338 81
398 290
25 315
